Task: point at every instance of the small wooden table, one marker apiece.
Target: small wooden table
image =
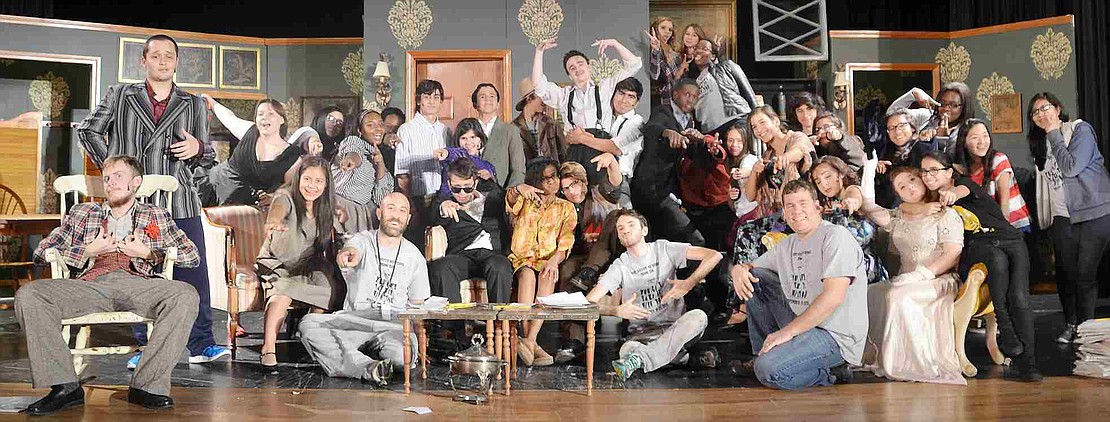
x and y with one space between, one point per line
480 312
28 224
589 314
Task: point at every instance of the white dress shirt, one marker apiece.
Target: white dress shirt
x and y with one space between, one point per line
629 139
585 105
419 139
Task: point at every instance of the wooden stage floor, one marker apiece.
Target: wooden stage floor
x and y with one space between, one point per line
1056 399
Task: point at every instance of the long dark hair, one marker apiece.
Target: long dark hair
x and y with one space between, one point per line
470 124
848 177
1036 135
320 124
323 208
745 132
964 157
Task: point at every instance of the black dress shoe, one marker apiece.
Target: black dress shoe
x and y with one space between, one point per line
1022 369
569 351
62 396
148 400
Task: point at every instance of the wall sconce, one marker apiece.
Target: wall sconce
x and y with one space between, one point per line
840 91
381 74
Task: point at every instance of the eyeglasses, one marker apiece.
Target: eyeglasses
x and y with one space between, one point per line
333 119
458 189
571 185
947 104
934 172
826 127
897 126
1042 109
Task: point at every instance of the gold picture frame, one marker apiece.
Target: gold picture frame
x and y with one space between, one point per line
245 71
1006 115
196 65
717 17
130 54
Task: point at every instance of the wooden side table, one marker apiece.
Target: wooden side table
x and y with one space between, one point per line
480 312
508 317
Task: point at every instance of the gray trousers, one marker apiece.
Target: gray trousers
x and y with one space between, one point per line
43 304
334 341
672 344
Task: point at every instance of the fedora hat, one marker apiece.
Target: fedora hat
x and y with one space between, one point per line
526 88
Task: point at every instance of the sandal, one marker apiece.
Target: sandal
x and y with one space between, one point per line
542 358
262 359
526 352
738 318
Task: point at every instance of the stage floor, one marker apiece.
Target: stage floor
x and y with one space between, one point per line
242 390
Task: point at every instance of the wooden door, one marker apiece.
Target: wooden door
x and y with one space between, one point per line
460 71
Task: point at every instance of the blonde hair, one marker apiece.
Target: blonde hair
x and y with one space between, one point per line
669 45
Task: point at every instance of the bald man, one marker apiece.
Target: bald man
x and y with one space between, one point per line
384 273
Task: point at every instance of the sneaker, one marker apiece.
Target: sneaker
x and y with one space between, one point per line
1068 336
842 374
1024 370
379 373
134 361
569 351
709 358
210 354
625 367
742 368
585 279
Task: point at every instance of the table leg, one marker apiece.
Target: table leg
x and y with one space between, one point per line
513 346
490 341
406 344
590 357
506 350
423 339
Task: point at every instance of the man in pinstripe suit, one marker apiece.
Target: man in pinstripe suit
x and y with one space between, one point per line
165 129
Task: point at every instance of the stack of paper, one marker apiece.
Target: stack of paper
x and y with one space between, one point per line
564 299
1093 354
434 303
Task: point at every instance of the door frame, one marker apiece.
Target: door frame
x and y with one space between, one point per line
413 58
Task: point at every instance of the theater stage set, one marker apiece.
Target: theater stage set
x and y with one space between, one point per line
306 73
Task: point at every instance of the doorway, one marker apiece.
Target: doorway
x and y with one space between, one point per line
459 71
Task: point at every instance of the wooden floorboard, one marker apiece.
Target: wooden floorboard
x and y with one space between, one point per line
1055 399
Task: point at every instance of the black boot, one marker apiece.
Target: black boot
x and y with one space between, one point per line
62 396
585 279
148 400
1023 368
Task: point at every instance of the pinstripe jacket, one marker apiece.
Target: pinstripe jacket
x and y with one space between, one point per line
85 221
123 124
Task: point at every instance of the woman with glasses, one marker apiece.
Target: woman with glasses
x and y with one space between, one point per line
943 117
471 137
543 235
1072 202
905 146
989 238
330 124
832 141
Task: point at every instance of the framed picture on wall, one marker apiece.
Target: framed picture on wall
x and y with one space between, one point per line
240 68
196 66
130 56
716 17
1006 113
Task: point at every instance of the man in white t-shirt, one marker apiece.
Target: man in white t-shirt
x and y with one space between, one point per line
806 329
651 294
384 273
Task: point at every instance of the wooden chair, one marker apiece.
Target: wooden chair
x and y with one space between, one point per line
87 186
233 236
972 301
435 247
10 203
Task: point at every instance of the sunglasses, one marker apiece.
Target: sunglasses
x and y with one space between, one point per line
468 189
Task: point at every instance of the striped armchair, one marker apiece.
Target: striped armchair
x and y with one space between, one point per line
233 235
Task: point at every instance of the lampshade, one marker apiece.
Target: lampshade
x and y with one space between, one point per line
841 80
381 70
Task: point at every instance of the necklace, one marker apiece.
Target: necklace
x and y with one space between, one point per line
378 249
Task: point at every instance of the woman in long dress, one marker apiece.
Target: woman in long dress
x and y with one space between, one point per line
294 264
910 337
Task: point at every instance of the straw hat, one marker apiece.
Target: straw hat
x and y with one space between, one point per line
526 88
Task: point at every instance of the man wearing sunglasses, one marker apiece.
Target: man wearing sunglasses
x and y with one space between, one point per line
472 220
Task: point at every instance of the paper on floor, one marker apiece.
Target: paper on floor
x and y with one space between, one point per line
418 410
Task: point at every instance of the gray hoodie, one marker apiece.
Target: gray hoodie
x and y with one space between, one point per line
1086 181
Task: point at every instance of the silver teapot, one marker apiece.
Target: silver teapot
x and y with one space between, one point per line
474 362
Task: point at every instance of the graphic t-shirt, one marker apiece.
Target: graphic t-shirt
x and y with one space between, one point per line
393 278
802 266
646 277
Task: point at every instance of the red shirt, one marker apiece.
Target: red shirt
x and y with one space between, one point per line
159 106
706 188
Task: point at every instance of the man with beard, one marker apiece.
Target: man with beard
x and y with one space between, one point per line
113 249
384 273
652 296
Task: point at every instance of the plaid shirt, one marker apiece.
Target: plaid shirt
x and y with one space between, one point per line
85 221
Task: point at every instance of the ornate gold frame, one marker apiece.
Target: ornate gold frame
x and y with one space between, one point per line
257 67
213 66
122 41
731 38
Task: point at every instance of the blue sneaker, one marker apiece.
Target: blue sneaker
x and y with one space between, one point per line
625 367
134 361
210 354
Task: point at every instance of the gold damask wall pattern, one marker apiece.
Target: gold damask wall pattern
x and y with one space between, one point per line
992 85
353 70
540 19
1051 52
866 94
603 67
954 61
49 93
410 21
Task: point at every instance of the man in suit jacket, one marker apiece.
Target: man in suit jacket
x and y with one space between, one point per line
504 148
655 181
113 249
473 221
166 130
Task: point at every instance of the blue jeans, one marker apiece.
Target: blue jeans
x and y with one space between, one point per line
802 362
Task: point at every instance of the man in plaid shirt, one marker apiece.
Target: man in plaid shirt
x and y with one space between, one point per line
113 251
